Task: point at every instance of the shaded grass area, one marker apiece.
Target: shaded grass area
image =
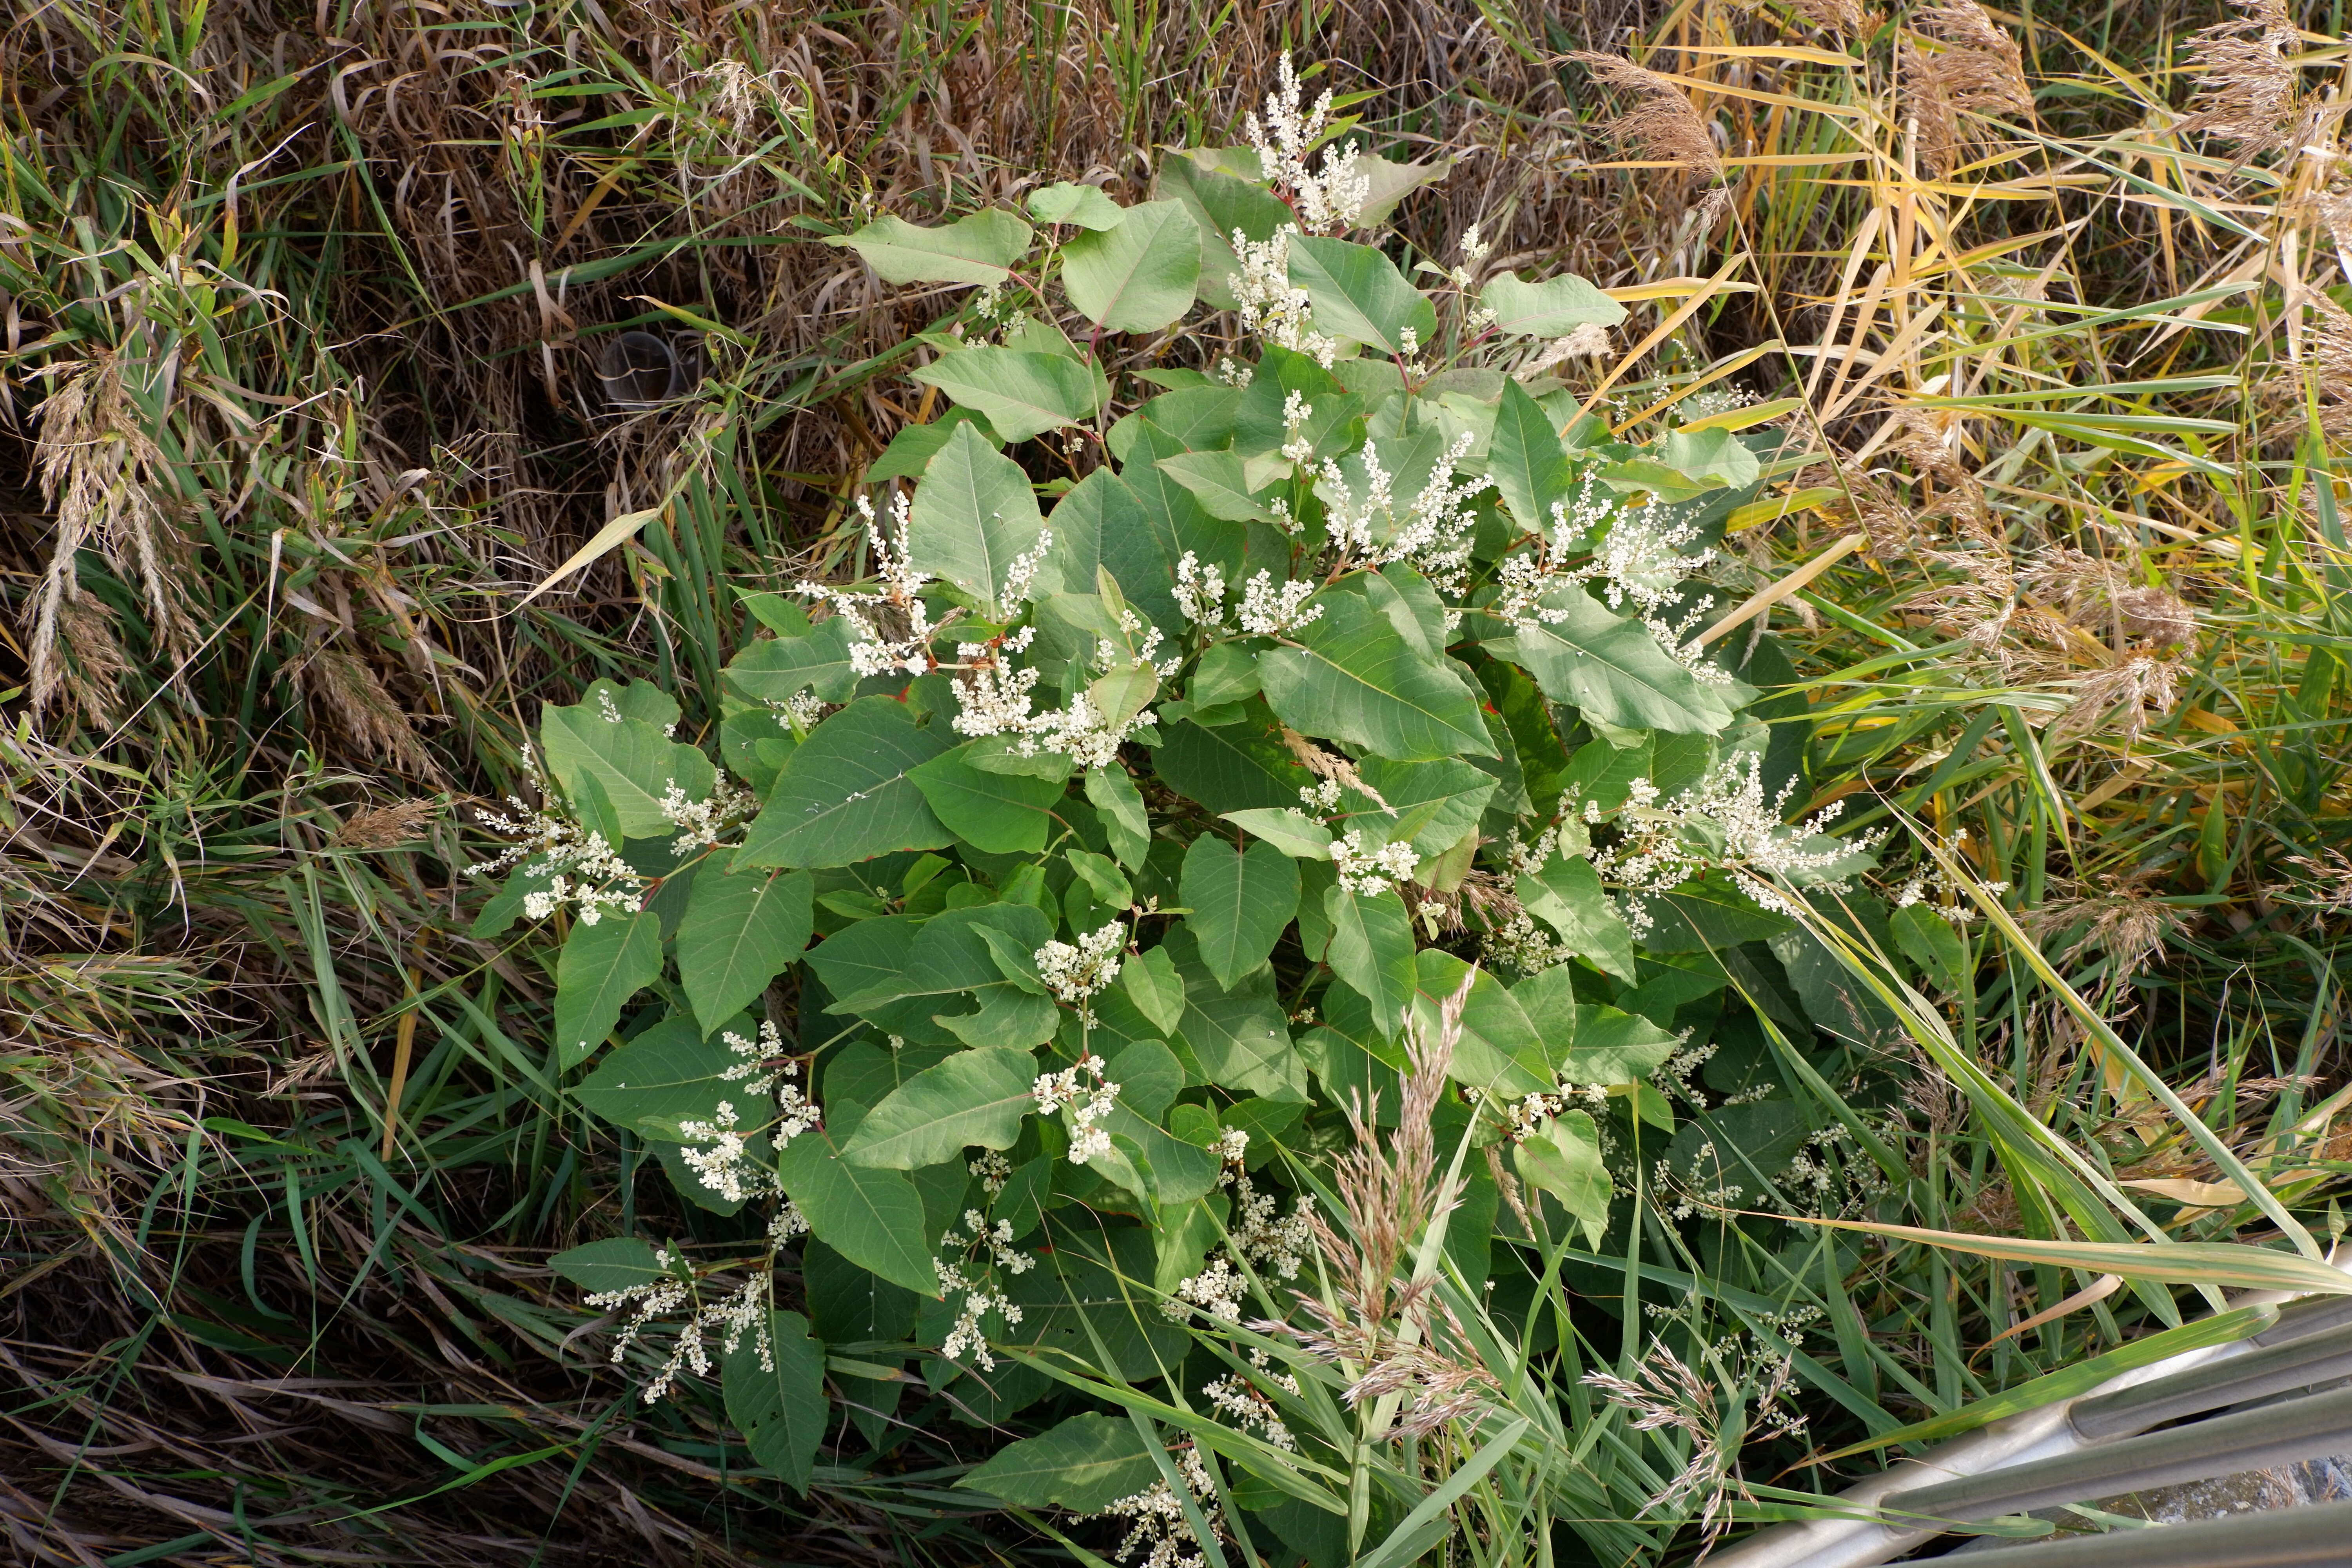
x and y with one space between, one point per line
312 303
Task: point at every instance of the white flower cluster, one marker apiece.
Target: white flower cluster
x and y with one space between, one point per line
1247 1410
1524 580
992 1170
980 1300
874 651
1295 412
1331 197
1201 591
725 1167
700 822
1269 611
1521 944
1259 1233
584 871
1722 823
1217 1291
1270 304
1267 608
1077 974
1373 869
1054 1091
1433 534
995 698
799 712
756 1075
741 1311
1637 560
651 1300
1160 1521
1952 902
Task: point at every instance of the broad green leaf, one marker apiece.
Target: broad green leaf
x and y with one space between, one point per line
923 998
1358 293
1083 1464
1586 1042
873 1217
1001 814
1551 308
1241 899
629 758
1083 205
1021 393
1071 1303
1151 983
1261 419
1103 879
1240 1037
1718 457
865 955
1372 951
602 966
738 933
972 1098
1435 803
1219 203
1929 941
1566 895
1218 481
910 451
845 796
1123 692
1227 673
1288 830
1139 276
847 1304
774 669
1501 1050
671 1073
1201 418
1611 668
1230 767
1564 1160
780 1408
1690 463
613 1264
974 514
1356 680
1113 793
1103 525
1528 460
1388 181
978 249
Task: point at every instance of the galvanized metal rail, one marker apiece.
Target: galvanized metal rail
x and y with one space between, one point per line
2090 1447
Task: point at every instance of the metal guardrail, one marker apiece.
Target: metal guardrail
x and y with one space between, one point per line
2322 1533
2101 1444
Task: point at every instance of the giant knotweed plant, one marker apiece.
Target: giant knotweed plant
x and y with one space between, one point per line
1194 740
